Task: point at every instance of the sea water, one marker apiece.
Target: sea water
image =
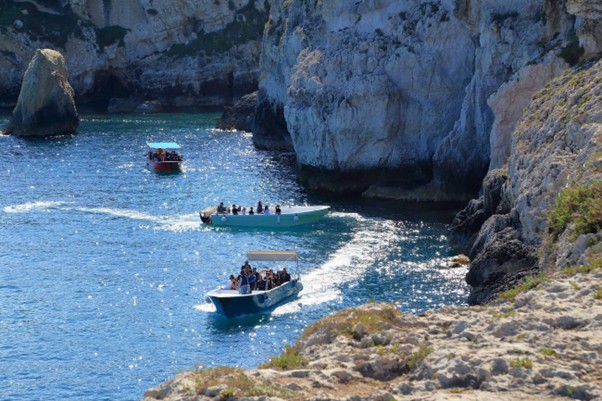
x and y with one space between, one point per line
104 264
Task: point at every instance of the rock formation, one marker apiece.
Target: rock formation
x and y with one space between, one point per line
545 207
45 106
538 345
409 100
240 116
183 53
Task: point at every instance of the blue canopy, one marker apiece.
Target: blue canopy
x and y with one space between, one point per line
163 145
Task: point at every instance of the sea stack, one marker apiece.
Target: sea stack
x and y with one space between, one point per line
45 106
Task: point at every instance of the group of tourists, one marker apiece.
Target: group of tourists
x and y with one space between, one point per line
235 210
250 279
164 156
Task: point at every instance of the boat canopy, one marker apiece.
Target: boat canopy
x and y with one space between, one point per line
163 145
272 256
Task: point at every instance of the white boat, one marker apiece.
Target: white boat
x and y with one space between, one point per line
232 303
290 216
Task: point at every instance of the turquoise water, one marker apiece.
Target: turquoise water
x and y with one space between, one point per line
104 265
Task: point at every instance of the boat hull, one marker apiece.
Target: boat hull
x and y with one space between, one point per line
231 303
164 167
286 219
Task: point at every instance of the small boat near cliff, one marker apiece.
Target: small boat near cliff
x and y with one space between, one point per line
163 157
289 216
231 302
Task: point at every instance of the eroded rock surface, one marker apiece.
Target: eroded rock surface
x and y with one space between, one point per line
556 155
544 345
45 106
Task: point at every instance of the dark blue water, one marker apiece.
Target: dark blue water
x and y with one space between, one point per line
104 265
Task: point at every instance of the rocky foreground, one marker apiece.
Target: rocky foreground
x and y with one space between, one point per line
543 343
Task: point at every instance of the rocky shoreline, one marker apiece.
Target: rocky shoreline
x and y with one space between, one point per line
541 344
535 242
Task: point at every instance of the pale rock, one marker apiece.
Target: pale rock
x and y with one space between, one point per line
45 106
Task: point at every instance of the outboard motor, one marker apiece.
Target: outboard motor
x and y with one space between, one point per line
205 218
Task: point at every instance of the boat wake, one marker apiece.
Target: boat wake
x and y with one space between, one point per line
182 223
347 265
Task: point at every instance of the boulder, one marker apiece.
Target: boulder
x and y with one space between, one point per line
240 115
45 106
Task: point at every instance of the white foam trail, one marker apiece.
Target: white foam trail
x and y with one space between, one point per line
29 206
188 222
347 264
206 307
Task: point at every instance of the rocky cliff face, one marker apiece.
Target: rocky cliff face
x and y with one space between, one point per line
45 106
182 52
545 213
543 345
409 100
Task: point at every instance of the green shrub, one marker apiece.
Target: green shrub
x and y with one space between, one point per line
581 206
289 359
418 356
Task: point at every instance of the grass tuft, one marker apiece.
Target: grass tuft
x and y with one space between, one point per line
525 362
527 285
289 359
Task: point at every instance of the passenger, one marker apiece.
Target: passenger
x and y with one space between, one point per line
278 211
269 284
235 209
231 284
259 207
267 209
244 211
275 279
252 279
221 208
251 212
285 276
261 283
243 281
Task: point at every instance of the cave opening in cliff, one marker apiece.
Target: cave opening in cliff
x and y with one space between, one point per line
107 85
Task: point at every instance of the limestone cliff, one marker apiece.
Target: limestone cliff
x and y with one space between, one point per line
45 106
409 100
545 213
180 52
540 345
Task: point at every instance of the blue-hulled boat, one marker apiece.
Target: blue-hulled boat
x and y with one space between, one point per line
232 303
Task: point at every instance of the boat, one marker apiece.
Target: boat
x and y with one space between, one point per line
163 157
231 303
289 216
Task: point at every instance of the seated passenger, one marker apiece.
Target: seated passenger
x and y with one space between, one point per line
261 284
231 284
267 209
259 207
251 212
278 211
221 208
244 211
235 209
285 276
